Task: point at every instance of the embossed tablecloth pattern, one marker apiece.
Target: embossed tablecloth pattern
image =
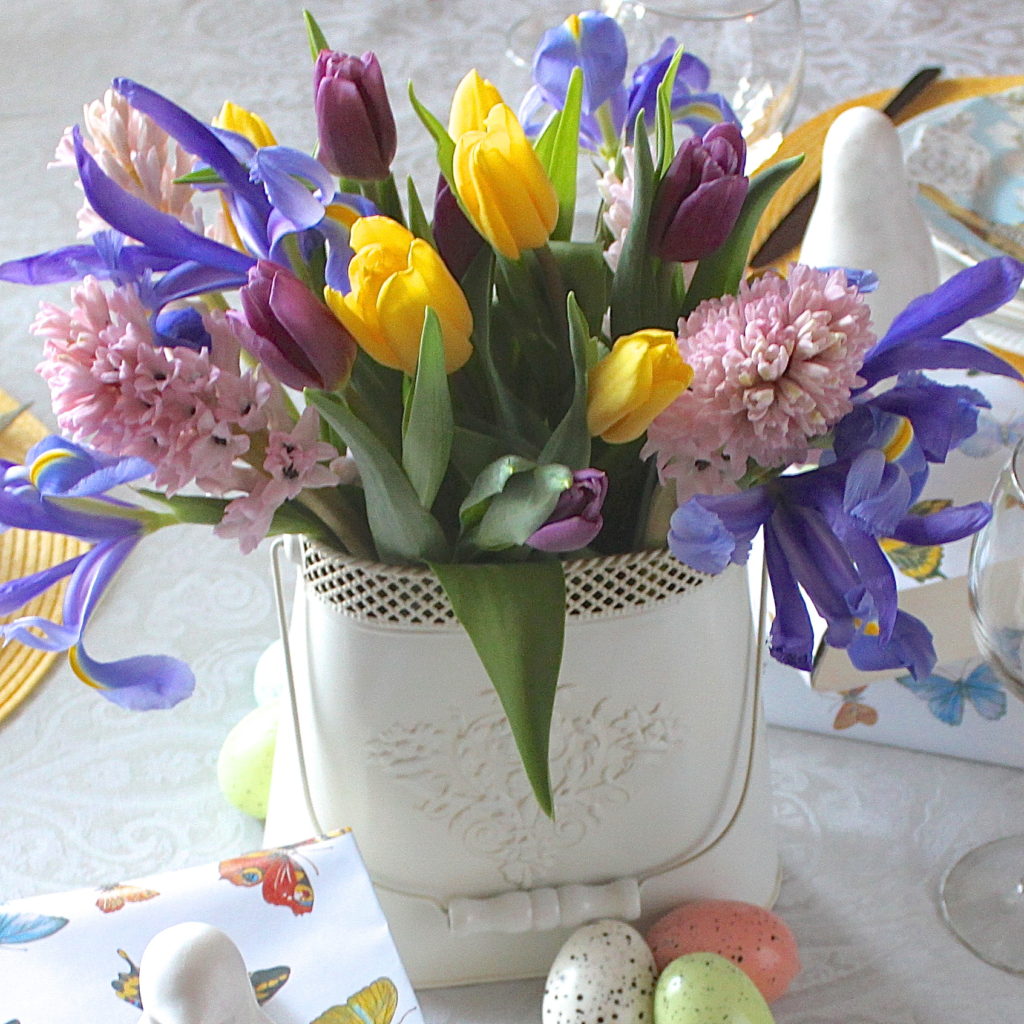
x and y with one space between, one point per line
89 793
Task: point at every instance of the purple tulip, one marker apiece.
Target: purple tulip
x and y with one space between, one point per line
700 196
458 242
353 114
576 519
297 337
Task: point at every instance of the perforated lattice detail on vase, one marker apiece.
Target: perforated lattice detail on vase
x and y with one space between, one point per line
413 596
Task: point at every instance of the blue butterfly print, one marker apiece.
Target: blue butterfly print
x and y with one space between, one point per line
992 434
18 928
947 697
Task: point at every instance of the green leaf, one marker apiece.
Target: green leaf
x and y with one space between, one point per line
428 423
515 618
489 483
445 144
521 508
632 284
721 272
586 274
206 176
558 149
570 440
403 530
418 223
665 143
317 40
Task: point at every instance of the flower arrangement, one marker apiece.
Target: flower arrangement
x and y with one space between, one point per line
480 390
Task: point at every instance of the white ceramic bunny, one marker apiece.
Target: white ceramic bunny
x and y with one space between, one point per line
866 217
194 974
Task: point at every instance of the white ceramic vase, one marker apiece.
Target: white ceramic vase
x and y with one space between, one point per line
659 773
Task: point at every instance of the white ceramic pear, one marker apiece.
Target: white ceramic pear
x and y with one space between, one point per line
194 974
866 217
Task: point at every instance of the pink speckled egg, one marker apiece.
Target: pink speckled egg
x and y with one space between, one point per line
756 940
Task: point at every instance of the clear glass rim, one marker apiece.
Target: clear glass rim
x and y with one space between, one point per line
1017 471
696 10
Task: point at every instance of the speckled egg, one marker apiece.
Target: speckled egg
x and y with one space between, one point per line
604 974
701 988
756 940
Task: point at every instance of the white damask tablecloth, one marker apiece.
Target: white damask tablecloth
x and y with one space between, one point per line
89 793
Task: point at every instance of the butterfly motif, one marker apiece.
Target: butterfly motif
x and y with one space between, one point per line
375 1004
284 881
992 434
919 562
853 712
265 983
947 697
114 897
18 928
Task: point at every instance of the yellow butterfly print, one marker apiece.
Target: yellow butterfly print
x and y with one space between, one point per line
265 983
919 562
375 1004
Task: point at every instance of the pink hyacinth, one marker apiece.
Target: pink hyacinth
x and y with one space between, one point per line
138 154
190 413
773 368
294 462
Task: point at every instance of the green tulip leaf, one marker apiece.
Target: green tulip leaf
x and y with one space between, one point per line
665 142
558 149
569 442
418 223
515 618
317 40
521 508
445 144
721 272
632 284
428 421
403 530
489 483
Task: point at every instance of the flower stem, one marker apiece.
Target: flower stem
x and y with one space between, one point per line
346 532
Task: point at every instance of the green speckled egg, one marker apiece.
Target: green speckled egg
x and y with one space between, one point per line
246 759
701 988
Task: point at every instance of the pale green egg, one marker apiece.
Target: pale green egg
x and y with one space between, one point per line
702 987
246 759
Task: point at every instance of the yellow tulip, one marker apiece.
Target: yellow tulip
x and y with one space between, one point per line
641 377
472 102
244 122
503 186
394 277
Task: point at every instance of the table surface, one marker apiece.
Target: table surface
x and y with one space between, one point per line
89 793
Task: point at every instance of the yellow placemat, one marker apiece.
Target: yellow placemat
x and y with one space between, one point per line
810 136
23 552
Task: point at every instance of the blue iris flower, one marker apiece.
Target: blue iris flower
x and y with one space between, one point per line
62 488
272 193
596 44
822 527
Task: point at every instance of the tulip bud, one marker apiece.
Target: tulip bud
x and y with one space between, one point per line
355 124
297 338
395 277
472 102
503 185
576 519
641 377
244 122
701 196
457 240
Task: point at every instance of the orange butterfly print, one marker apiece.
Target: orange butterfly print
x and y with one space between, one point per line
284 881
114 897
853 712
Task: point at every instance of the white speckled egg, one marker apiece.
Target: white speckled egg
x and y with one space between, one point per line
604 974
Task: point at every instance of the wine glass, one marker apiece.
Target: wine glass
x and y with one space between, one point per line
754 48
982 895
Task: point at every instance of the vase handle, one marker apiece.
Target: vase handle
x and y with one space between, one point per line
544 909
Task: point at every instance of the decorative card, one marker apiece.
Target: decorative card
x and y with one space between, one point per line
305 918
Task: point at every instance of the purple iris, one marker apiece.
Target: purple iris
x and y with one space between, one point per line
596 44
273 193
822 527
62 488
